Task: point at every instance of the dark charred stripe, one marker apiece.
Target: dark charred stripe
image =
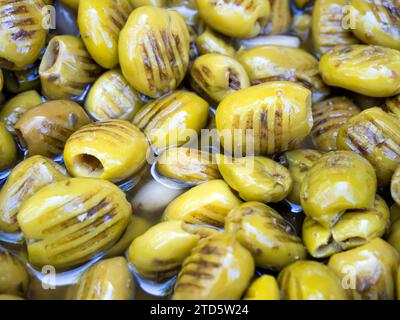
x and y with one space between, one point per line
147 66
22 34
278 129
160 66
202 218
196 274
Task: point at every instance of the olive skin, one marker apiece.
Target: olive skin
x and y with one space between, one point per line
22 80
79 218
280 17
318 282
277 114
141 3
9 297
111 149
395 186
25 179
267 236
154 50
8 149
112 97
100 22
225 17
263 288
44 129
211 42
369 70
338 181
393 236
371 268
228 266
375 135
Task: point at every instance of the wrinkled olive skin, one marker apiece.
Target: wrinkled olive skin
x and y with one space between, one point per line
394 233
229 268
329 116
328 21
377 22
43 130
108 279
112 97
206 204
256 178
227 16
154 50
67 69
371 268
14 108
211 42
21 42
278 112
269 238
71 221
299 162
14 279
370 70
278 63
190 166
280 17
160 251
263 288
172 120
100 22
22 80
8 149
112 149
338 181
25 179
375 135
354 228
214 76
317 281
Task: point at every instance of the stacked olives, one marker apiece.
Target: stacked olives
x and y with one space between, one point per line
198 149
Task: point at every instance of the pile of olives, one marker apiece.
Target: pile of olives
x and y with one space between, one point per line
293 192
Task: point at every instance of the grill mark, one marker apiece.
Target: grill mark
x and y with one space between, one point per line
147 66
278 129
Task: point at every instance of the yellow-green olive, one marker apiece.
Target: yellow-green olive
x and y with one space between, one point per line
269 238
8 149
336 182
110 149
395 186
263 288
215 75
154 50
301 26
217 268
394 233
368 272
69 222
211 42
22 80
267 118
280 17
142 3
375 135
43 130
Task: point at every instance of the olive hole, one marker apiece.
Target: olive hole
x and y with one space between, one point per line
50 56
89 166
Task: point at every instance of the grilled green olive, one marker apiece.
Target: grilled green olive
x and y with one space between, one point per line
66 69
108 279
299 162
22 80
8 149
160 251
369 271
186 165
395 186
43 130
377 22
206 204
21 33
329 116
14 108
217 268
280 17
13 277
234 18
100 22
269 238
393 105
172 120
369 70
111 97
28 177
211 42
256 178
154 50
263 288
278 63
267 118
394 232
375 135
69 222
110 149
214 76
329 22
338 181
310 280
354 228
